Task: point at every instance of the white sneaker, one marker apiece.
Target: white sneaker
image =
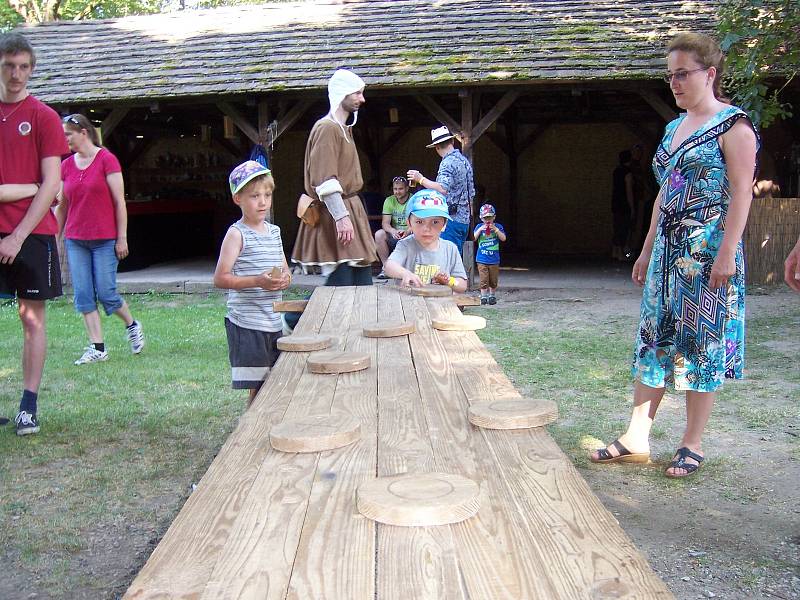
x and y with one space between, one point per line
90 355
136 337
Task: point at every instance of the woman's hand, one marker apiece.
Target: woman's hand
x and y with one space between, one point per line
639 272
121 248
724 266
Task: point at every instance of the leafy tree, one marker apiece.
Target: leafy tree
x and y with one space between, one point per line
14 12
762 41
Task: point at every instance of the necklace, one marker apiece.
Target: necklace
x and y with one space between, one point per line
5 117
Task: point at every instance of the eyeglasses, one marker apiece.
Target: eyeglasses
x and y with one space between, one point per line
681 75
400 180
71 119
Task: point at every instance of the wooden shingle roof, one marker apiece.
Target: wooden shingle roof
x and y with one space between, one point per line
390 43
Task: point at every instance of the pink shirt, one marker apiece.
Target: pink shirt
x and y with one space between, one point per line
90 212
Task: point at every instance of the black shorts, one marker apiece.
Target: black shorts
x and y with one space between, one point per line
252 354
35 273
391 241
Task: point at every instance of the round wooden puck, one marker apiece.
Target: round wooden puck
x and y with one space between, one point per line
338 362
463 323
383 329
431 291
315 433
304 343
419 500
513 414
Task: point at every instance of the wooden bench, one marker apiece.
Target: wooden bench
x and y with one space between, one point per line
266 524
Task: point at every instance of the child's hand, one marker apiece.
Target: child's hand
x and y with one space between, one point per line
411 280
441 278
274 284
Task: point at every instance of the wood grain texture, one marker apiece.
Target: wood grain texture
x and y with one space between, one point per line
304 343
464 300
419 499
513 414
338 362
315 433
429 291
417 562
385 329
182 563
258 559
289 305
460 323
585 551
336 554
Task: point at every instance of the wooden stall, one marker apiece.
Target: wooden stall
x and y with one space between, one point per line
772 230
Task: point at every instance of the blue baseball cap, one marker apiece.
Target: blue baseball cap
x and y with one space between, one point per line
428 203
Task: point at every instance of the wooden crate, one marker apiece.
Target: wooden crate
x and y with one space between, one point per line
772 230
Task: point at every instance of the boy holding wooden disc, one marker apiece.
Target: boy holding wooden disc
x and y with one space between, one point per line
423 258
253 268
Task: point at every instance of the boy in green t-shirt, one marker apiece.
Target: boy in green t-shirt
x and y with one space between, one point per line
393 225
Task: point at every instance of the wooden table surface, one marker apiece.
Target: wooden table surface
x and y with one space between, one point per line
266 524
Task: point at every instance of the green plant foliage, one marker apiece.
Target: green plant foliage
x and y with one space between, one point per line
762 41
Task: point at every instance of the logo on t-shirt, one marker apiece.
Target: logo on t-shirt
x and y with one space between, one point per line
24 128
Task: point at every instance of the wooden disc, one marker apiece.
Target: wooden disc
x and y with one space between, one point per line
513 414
315 433
431 291
463 323
338 362
304 343
419 500
383 329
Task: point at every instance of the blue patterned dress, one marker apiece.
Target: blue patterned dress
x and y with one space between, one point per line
689 334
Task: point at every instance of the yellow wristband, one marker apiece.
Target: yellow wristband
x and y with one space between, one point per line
452 281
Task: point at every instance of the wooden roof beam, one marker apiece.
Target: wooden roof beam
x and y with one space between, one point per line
439 113
661 107
291 117
497 110
239 120
113 119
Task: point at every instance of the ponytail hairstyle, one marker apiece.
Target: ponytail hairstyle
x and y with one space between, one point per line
77 121
705 51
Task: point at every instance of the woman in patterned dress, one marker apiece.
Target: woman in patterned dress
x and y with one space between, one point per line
691 332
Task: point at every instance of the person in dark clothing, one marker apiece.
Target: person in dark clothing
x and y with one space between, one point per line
622 206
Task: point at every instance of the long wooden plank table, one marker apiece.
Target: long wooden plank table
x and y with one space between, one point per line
264 524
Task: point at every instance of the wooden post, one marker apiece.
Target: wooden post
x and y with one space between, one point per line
466 124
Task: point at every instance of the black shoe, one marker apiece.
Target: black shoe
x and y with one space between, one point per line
26 423
492 300
4 420
484 300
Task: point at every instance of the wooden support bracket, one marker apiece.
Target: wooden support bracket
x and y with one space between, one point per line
113 119
439 113
497 110
286 121
241 122
661 107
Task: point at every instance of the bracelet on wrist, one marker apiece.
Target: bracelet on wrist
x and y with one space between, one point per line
451 282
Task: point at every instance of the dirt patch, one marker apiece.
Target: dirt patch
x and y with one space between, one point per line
734 531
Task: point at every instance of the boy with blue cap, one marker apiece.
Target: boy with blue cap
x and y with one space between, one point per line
253 268
423 257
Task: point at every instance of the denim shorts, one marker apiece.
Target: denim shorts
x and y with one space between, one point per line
93 267
457 233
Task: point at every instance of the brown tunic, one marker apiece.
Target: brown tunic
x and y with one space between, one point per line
331 155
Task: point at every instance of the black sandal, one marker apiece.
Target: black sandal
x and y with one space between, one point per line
680 463
625 455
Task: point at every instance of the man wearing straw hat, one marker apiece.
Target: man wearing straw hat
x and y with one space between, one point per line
455 181
341 242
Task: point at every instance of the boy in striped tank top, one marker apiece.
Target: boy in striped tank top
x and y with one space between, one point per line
251 249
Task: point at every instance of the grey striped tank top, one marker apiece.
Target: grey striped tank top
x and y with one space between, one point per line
251 308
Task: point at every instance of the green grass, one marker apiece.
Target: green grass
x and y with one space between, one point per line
119 438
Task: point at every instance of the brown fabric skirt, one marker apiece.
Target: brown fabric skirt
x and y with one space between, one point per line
319 246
